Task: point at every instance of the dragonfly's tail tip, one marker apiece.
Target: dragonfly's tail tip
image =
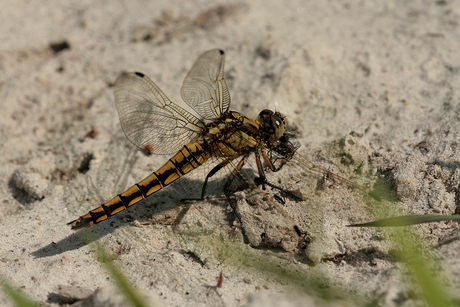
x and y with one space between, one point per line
72 225
76 224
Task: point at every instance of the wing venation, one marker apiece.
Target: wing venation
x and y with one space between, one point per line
204 89
149 119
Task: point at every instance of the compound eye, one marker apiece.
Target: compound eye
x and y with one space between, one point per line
283 119
278 126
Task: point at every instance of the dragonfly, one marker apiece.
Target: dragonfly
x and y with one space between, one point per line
153 123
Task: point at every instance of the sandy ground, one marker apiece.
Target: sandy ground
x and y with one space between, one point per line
370 89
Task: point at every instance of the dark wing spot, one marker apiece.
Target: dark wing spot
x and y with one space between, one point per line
148 149
221 51
140 74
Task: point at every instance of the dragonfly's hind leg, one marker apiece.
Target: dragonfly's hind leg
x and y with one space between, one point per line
228 191
214 171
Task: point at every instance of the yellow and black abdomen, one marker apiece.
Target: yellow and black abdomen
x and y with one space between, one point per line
185 160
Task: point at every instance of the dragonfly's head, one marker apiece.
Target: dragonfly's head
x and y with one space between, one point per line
276 138
274 126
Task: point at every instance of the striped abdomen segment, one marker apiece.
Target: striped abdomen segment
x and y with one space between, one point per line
188 158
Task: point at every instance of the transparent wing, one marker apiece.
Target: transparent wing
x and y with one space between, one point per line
301 163
204 89
149 119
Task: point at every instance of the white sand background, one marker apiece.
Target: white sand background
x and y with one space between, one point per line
371 90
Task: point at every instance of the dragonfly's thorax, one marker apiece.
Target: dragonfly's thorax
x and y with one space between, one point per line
233 134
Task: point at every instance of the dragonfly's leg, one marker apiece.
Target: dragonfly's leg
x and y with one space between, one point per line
228 192
267 160
263 180
216 168
270 161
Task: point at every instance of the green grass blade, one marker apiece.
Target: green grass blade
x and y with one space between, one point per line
16 295
421 268
426 281
232 252
121 280
407 220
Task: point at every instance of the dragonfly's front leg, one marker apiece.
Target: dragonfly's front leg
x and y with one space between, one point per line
262 179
